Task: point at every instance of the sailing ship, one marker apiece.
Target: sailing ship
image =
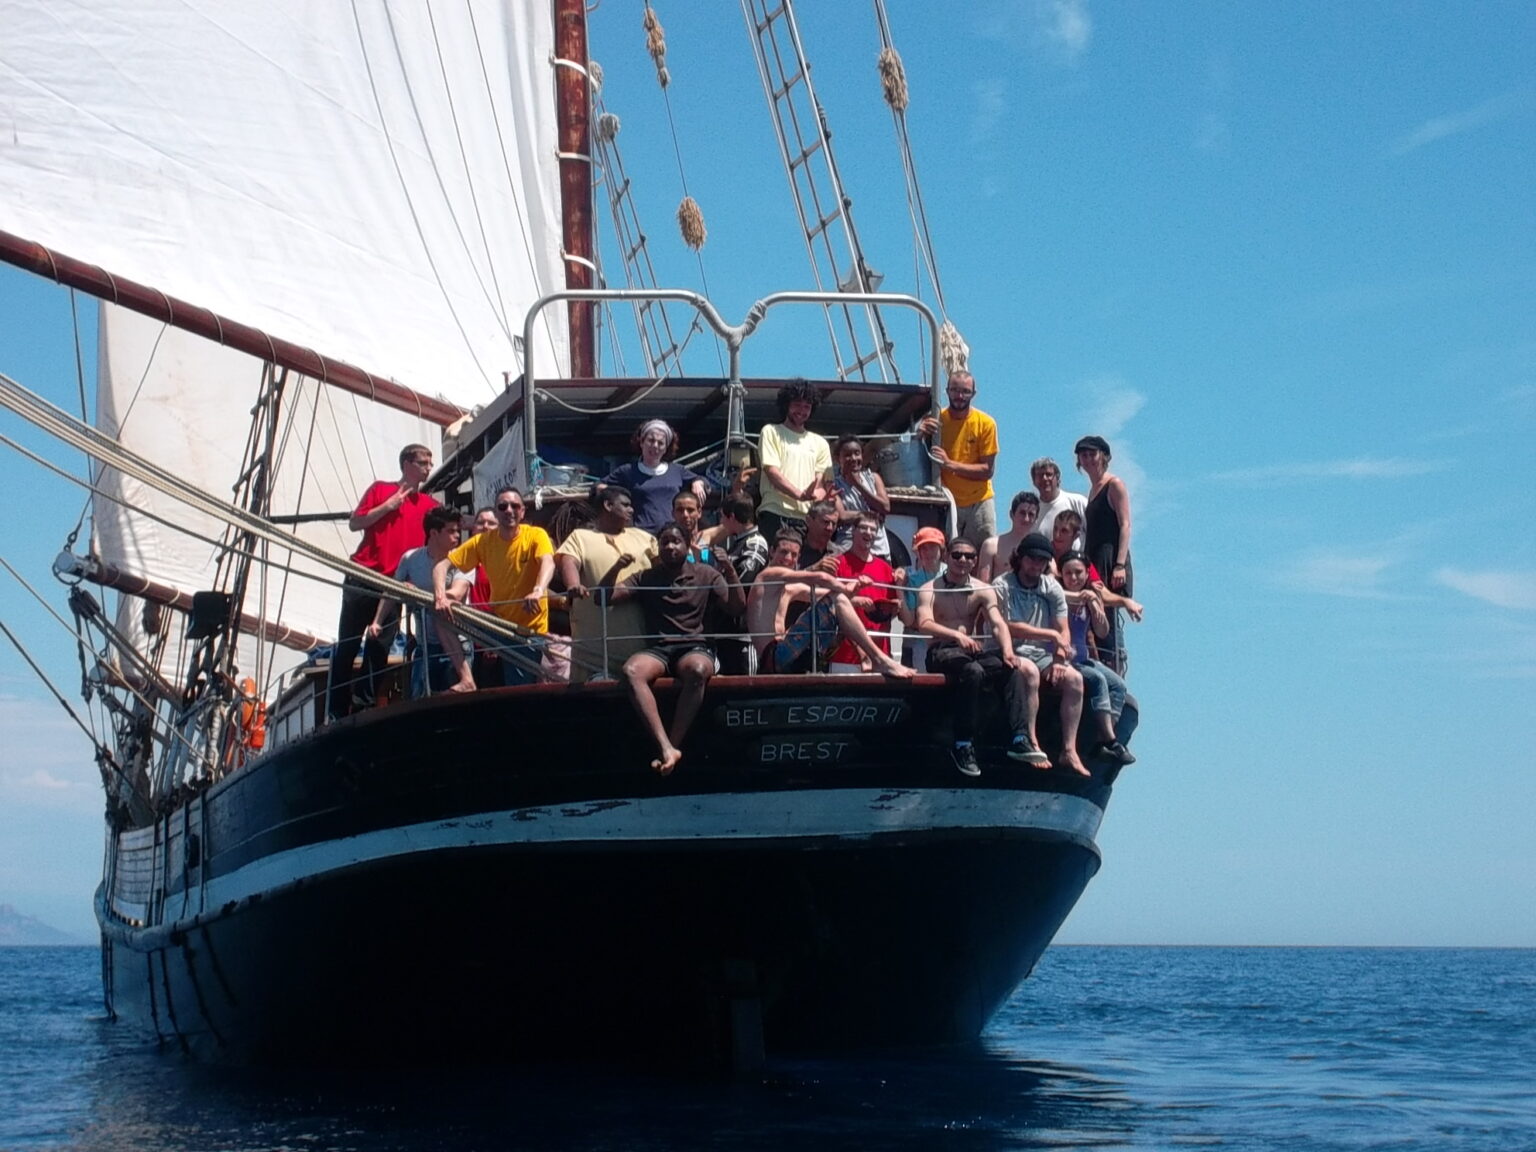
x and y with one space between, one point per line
318 232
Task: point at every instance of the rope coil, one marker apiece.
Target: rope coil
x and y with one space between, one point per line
893 79
690 220
656 45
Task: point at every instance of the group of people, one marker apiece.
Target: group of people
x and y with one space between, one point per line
802 580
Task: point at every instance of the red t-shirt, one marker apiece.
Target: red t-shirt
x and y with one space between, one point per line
392 535
850 567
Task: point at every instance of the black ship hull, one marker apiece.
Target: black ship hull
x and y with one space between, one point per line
815 877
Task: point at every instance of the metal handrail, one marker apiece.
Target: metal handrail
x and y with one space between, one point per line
734 335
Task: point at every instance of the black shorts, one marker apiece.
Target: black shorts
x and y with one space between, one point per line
671 652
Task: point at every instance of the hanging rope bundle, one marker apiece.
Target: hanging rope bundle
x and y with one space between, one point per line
893 79
595 75
607 127
953 350
656 45
691 221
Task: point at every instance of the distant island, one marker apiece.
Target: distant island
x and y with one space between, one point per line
17 929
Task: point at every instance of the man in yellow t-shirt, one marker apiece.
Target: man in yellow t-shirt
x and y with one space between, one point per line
519 561
967 456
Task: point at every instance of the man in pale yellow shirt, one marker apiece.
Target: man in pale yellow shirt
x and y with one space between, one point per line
967 456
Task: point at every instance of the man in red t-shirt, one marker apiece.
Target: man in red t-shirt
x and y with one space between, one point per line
868 580
389 516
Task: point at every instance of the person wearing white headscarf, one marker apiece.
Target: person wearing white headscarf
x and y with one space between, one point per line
655 478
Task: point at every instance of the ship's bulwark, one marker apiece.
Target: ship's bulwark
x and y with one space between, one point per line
523 906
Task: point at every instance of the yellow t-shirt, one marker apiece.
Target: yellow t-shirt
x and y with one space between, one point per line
968 441
513 569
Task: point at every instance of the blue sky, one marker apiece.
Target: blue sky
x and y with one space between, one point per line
1284 259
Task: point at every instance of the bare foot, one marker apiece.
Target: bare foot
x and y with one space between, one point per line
1070 762
463 686
667 761
894 671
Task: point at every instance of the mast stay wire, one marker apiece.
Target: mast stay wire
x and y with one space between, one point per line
893 78
156 720
506 165
410 202
664 79
85 415
166 521
39 412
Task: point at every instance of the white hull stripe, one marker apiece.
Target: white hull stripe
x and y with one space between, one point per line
724 818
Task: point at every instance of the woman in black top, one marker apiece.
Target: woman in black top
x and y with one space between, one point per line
1107 531
1107 519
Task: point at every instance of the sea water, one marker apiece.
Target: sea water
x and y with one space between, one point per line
1242 1048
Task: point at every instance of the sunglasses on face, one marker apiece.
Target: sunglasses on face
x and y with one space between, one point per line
507 505
962 555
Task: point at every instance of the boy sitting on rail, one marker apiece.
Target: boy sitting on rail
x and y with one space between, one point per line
674 593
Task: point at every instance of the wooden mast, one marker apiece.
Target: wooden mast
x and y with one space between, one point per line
200 321
573 103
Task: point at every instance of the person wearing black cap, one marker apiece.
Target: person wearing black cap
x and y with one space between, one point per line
1035 606
1107 532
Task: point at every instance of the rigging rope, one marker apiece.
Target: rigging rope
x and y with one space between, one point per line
688 219
39 412
953 349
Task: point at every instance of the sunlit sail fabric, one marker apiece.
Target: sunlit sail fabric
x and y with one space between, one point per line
376 181
185 403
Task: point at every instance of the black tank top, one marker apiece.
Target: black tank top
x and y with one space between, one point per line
1101 536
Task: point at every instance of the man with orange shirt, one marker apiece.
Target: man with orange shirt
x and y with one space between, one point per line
519 559
389 516
967 456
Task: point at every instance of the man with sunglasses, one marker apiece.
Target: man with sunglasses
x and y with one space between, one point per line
390 516
519 559
954 609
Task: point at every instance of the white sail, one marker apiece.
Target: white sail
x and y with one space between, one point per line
376 181
185 403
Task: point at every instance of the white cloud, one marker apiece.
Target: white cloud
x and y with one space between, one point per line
1356 574
1064 27
47 759
1519 401
1212 132
991 105
1501 588
1441 127
1114 404
1068 25
1355 468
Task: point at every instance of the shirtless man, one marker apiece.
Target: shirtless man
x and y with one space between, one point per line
953 609
784 648
995 550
